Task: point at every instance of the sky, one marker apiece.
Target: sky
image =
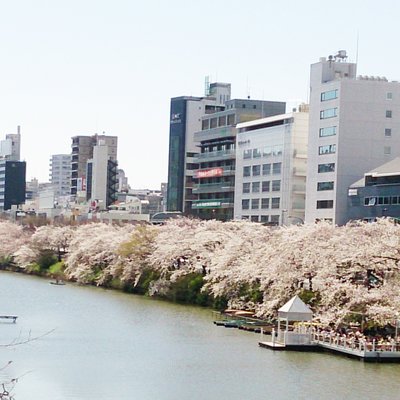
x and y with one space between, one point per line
80 67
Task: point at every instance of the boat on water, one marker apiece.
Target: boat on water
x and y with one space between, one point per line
57 282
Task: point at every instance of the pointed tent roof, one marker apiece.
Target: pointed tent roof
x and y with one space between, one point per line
295 310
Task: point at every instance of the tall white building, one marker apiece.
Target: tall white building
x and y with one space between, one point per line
10 147
101 185
354 127
270 180
60 174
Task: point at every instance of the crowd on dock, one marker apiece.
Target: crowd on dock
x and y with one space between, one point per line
356 340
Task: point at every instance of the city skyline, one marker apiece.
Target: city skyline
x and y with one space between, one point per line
83 68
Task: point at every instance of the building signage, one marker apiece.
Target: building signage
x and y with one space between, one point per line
207 204
209 173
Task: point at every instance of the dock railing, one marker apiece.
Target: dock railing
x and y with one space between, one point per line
353 343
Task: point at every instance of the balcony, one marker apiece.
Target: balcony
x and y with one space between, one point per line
215 133
214 172
216 155
219 187
212 203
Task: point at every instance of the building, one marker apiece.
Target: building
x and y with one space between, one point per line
12 183
354 128
214 178
60 174
101 177
10 148
185 120
377 194
271 162
82 151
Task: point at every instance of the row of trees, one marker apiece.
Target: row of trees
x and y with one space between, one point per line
342 272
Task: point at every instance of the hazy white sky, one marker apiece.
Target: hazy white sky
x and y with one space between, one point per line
86 66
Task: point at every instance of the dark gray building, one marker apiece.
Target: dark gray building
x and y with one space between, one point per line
377 194
12 183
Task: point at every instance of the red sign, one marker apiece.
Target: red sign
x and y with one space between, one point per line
209 173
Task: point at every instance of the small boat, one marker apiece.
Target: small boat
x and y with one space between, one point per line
57 282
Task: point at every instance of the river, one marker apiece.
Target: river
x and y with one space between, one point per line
102 344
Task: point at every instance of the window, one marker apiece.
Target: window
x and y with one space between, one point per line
277 150
369 201
389 96
267 151
276 186
327 149
256 170
329 167
275 219
388 132
387 150
384 200
395 200
256 153
329 95
255 187
246 187
222 120
324 186
329 131
246 154
255 204
254 106
328 113
266 169
205 124
264 219
246 171
324 204
245 204
231 119
388 113
213 123
265 186
265 203
254 218
275 202
276 168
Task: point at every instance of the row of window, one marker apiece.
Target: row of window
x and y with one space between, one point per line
255 170
327 167
328 131
265 204
274 219
321 204
264 152
327 149
382 200
216 122
328 113
264 185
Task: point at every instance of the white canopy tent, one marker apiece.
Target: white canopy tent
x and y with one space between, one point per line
294 310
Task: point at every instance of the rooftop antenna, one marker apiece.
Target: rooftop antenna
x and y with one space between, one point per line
207 86
357 48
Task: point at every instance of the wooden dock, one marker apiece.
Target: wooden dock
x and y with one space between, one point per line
9 317
360 351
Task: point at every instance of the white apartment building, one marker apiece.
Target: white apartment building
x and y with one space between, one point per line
60 174
270 180
354 127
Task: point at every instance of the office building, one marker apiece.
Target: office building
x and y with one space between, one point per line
101 177
377 194
214 179
82 151
60 174
271 159
12 183
354 127
185 120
